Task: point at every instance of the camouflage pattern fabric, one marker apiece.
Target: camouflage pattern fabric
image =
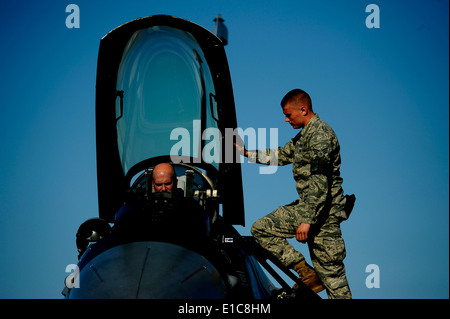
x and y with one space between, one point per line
315 155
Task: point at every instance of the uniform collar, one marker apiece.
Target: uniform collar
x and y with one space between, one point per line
310 124
307 127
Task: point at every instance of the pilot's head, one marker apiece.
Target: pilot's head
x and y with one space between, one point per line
164 178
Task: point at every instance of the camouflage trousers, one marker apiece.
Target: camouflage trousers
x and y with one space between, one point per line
325 243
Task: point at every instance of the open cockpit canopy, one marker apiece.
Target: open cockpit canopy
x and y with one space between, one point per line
164 94
164 88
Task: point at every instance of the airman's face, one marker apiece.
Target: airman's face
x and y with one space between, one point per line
293 115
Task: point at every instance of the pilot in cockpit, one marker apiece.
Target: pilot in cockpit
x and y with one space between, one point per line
165 214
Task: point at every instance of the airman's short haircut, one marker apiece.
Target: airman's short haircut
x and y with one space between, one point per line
298 97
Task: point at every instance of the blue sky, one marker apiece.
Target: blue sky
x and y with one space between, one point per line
383 90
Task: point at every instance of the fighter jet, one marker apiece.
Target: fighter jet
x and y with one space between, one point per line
162 82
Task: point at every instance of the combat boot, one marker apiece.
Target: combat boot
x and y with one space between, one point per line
309 277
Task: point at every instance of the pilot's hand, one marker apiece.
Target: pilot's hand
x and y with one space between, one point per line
302 232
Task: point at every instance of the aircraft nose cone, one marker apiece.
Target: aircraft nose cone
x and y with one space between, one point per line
152 270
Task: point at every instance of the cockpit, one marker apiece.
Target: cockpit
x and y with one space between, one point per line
164 94
183 215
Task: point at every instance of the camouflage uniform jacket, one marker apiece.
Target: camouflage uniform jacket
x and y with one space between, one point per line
315 155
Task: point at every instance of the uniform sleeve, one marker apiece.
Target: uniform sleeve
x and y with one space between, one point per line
280 156
320 152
